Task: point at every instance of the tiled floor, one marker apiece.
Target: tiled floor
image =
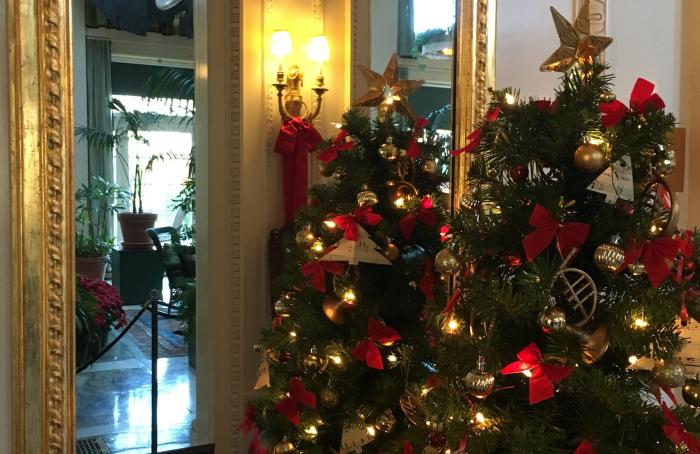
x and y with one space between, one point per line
114 400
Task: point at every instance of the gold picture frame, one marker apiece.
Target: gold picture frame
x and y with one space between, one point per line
41 166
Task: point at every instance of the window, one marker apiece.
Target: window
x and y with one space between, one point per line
433 14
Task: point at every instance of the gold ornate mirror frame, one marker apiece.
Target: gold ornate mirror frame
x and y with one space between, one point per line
41 160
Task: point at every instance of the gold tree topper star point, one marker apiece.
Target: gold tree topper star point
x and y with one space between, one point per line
386 91
577 45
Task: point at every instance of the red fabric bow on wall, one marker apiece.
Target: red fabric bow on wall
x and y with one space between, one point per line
656 255
426 214
366 350
330 154
642 100
297 395
543 376
296 138
474 139
569 235
348 222
413 151
316 272
675 432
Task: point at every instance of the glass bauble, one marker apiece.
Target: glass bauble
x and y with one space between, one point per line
609 257
283 447
388 151
366 197
691 391
478 382
329 397
669 373
446 262
305 238
589 158
552 317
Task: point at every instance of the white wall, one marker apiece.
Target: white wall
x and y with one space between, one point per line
384 29
5 319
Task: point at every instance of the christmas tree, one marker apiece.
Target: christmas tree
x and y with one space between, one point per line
349 335
571 277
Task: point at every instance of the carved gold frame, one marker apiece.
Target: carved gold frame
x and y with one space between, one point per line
41 160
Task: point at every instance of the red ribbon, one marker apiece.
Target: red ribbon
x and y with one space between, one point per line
642 100
474 139
248 426
543 376
316 272
675 432
445 232
585 448
366 350
296 138
427 282
546 106
569 235
412 151
426 214
330 154
656 255
348 222
297 395
452 302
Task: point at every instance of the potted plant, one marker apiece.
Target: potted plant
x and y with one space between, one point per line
95 203
135 223
98 309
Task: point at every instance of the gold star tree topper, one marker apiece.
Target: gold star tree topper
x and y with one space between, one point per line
387 92
577 43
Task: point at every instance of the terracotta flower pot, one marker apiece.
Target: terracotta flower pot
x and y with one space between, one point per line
134 227
92 267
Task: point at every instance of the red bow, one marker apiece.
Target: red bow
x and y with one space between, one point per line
642 100
546 106
543 376
452 302
248 426
348 222
474 139
568 234
296 138
585 448
407 447
675 432
330 154
316 271
297 394
427 282
367 351
686 247
656 255
426 214
412 151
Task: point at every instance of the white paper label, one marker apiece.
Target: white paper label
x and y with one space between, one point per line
616 182
353 439
263 380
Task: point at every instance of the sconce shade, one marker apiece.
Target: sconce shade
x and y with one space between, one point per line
318 49
281 43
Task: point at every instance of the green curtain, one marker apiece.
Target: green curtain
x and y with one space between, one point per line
99 92
406 36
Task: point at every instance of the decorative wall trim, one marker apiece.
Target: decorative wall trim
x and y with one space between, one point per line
42 225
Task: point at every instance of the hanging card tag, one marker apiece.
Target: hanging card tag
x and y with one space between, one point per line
353 439
263 380
364 250
642 363
616 182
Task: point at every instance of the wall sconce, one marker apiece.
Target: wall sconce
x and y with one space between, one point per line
289 98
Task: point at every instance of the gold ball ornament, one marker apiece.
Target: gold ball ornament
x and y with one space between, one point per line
325 169
329 397
609 257
401 192
388 151
636 268
312 362
386 422
594 344
666 163
392 252
412 407
446 262
334 308
283 305
691 391
552 317
669 373
478 382
283 447
305 238
366 197
340 174
589 158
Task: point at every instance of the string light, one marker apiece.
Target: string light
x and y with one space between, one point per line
480 418
311 430
527 373
292 334
640 323
371 431
510 99
452 326
318 246
400 202
337 359
633 359
330 224
349 296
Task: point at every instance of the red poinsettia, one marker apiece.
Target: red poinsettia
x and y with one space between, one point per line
108 310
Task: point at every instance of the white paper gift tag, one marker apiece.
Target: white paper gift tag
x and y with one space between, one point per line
263 380
353 439
616 182
363 250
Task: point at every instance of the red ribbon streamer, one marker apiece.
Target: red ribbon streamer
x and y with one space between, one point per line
568 234
297 395
585 448
543 376
452 302
296 138
656 255
348 222
427 282
642 100
366 350
675 432
474 138
426 214
330 154
316 272
413 151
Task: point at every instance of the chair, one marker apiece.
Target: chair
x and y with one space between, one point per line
178 262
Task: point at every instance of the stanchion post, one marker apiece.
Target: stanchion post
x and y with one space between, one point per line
154 371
